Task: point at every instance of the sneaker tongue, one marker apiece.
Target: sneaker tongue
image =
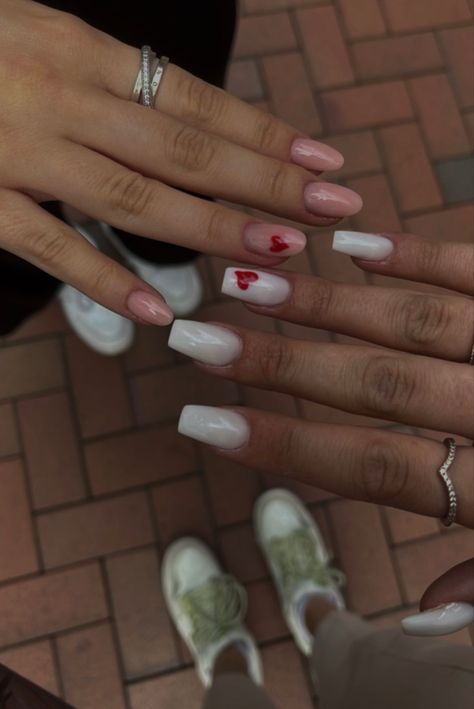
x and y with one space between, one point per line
296 561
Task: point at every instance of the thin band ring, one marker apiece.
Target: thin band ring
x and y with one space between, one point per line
147 56
157 77
471 358
443 473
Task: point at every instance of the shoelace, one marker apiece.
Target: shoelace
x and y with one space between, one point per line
214 608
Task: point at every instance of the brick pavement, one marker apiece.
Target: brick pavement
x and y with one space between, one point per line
95 480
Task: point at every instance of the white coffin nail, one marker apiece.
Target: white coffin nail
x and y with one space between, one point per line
255 287
440 621
209 344
218 427
368 246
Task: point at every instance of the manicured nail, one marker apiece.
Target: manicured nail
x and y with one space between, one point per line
315 156
206 343
440 621
368 246
255 287
218 427
326 200
148 307
273 240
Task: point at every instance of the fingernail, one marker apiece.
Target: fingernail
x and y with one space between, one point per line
218 427
315 156
273 240
255 287
440 621
149 308
206 343
368 246
326 200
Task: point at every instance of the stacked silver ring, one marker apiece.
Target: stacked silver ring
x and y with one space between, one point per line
443 472
148 82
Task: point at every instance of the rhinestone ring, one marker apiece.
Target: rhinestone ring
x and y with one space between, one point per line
146 88
450 443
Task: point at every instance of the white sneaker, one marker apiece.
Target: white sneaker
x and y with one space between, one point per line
297 557
207 606
101 329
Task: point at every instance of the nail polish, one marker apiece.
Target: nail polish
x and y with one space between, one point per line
273 240
149 308
206 343
440 621
257 287
315 156
326 200
367 246
217 427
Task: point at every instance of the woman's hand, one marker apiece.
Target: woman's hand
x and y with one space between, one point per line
69 132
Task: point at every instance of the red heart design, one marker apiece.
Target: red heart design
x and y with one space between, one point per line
245 278
278 244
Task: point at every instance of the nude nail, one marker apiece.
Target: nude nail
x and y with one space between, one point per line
367 246
273 240
440 621
326 200
315 156
149 308
217 427
255 287
204 342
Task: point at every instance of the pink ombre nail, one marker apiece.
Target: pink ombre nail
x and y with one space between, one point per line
326 200
315 156
273 240
149 308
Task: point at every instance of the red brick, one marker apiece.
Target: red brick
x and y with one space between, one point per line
324 46
89 669
360 153
321 517
17 547
138 458
422 562
264 617
243 80
95 529
9 444
396 56
34 661
149 349
406 15
439 116
406 525
180 509
379 212
291 96
308 493
458 46
48 321
365 556
160 395
285 679
30 368
447 225
264 34
366 106
241 555
51 450
143 626
99 390
363 18
412 175
51 603
179 689
232 488
332 265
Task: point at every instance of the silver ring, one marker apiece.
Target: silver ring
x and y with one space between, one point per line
471 358
157 77
147 56
443 473
145 88
137 89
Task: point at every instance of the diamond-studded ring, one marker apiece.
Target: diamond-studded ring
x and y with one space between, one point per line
450 443
146 86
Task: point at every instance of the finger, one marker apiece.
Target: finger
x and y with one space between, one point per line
431 324
163 147
375 465
409 389
445 264
30 232
457 584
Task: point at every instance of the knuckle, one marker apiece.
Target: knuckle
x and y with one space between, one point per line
127 192
103 277
387 386
215 225
319 299
276 182
191 149
278 362
430 257
48 247
425 319
204 103
286 444
383 474
265 132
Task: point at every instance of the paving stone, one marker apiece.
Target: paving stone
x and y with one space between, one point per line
457 179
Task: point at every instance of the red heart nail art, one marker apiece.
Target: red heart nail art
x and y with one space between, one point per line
245 278
278 244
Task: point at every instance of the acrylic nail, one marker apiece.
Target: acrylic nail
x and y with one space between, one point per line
315 156
367 246
217 427
273 240
255 287
204 342
326 200
440 621
149 308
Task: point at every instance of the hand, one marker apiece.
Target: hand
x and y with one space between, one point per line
69 132
422 379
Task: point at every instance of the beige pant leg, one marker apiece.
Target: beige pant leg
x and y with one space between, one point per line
360 667
236 691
